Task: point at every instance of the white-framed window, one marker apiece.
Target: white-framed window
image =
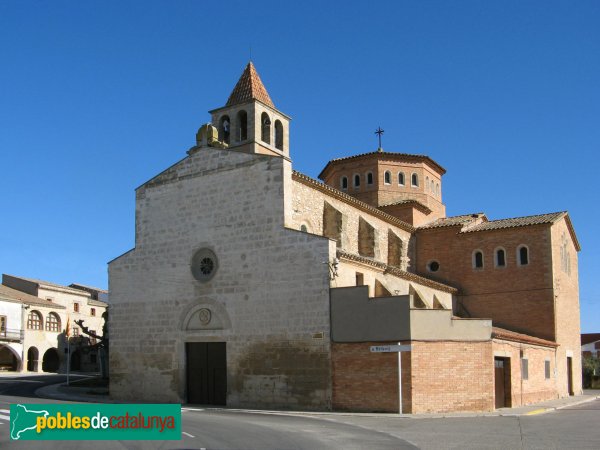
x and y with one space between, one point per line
414 180
344 183
523 256
401 179
500 257
369 178
387 177
477 259
356 181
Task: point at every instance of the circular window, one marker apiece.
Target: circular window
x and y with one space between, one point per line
204 265
433 266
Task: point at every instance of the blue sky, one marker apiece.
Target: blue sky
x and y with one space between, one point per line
98 97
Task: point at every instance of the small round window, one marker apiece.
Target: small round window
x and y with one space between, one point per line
433 266
204 265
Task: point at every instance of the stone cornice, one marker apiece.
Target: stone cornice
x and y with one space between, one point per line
387 269
358 204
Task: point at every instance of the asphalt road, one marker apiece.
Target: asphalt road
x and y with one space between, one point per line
571 428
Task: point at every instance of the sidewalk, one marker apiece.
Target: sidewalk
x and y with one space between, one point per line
100 395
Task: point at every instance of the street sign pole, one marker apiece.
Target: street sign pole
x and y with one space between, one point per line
400 381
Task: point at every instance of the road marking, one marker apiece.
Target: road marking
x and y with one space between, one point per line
187 434
191 409
536 411
2 416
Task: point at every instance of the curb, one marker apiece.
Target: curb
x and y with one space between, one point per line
53 392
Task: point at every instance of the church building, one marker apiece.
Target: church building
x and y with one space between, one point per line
254 285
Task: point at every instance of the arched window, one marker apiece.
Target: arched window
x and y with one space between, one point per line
414 179
34 321
356 181
304 228
242 125
278 135
53 322
437 189
523 255
265 127
500 257
426 184
387 177
432 187
344 183
401 178
369 178
224 128
478 259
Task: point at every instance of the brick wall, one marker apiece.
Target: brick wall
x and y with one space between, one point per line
368 382
516 297
452 376
566 293
537 387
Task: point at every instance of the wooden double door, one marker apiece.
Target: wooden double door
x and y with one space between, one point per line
206 372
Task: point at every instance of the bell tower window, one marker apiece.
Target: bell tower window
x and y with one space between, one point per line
356 181
369 178
224 129
265 123
278 135
242 125
387 177
414 180
401 178
344 183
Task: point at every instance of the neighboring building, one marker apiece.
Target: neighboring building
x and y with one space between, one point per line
590 345
254 285
36 312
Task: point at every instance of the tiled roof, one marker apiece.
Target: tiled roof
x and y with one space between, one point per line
22 297
507 335
43 283
332 192
417 204
249 87
516 222
383 154
397 272
453 221
586 338
90 288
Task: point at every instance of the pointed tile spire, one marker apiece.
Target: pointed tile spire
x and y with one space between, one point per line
249 87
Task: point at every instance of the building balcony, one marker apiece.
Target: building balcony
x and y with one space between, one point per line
11 335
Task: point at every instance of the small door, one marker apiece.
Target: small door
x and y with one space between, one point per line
206 373
570 375
499 382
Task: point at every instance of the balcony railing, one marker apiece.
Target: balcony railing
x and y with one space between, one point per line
13 335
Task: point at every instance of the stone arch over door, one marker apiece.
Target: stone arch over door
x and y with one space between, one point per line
9 359
51 360
205 315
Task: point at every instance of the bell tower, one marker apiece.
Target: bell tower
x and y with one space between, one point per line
249 121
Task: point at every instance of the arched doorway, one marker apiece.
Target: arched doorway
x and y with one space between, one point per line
8 360
50 362
32 359
76 360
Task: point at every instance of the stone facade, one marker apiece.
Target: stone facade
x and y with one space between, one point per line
241 267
